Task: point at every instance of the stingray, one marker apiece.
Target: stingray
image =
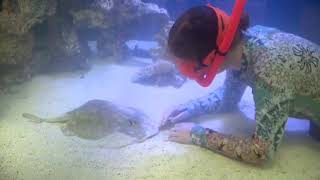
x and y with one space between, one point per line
104 124
161 74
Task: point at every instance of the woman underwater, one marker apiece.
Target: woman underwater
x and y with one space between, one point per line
281 68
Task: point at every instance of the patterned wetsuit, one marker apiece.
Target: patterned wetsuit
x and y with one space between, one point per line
284 74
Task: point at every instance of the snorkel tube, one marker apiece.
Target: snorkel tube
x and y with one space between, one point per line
215 58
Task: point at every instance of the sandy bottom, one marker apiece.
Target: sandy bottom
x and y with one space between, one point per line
40 151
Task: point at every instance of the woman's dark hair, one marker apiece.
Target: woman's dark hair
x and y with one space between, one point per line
194 34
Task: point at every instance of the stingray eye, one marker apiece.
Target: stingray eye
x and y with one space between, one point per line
131 123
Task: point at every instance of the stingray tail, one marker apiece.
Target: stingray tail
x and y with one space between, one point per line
33 118
135 142
149 137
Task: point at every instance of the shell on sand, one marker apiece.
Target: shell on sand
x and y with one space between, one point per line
104 124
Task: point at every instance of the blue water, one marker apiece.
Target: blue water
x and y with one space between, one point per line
40 151
300 17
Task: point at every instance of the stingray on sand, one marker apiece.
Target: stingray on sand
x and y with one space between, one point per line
161 74
103 124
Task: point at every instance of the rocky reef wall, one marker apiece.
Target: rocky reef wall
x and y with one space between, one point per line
41 36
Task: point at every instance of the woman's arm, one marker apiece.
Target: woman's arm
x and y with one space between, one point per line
251 149
271 115
225 98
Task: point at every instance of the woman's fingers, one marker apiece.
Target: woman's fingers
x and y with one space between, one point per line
182 116
171 117
173 138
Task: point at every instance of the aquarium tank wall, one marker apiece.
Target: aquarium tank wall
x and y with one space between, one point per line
85 87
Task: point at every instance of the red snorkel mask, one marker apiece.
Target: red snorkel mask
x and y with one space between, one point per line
227 28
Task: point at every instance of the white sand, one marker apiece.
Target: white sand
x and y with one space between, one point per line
40 152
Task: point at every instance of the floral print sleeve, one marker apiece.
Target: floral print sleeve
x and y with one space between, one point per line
225 98
271 116
272 111
251 150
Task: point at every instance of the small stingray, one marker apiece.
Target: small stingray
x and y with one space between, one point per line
161 73
104 124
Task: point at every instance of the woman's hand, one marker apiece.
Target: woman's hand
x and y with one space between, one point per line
177 114
181 133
